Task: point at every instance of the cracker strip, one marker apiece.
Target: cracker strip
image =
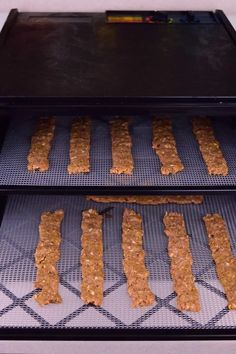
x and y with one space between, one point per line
91 258
80 146
133 262
148 199
46 256
122 160
181 263
209 147
41 145
225 262
165 147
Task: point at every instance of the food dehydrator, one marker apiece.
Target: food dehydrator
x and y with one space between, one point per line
140 65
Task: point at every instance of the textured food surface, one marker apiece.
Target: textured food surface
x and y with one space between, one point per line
41 145
225 262
19 239
181 263
134 260
147 199
164 145
46 256
80 146
147 171
91 258
209 147
122 159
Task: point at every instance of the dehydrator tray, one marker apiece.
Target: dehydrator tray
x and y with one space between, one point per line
146 175
19 237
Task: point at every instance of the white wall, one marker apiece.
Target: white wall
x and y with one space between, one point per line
229 6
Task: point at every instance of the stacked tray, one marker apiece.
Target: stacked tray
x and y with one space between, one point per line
13 158
19 237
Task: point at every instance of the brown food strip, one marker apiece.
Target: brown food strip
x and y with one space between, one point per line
181 263
122 160
92 258
165 147
225 262
41 145
148 199
46 256
209 147
134 265
80 146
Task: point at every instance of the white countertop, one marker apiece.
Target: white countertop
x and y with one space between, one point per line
229 6
3 16
150 347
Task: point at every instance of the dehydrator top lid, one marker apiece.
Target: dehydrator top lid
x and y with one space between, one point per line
84 56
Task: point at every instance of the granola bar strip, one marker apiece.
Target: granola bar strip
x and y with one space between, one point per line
133 262
225 262
41 145
181 263
92 258
46 256
122 160
80 146
148 199
209 147
165 147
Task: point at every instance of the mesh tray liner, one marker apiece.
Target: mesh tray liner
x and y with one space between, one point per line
19 237
13 159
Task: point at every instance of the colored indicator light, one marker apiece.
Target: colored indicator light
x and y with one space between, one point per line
125 19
